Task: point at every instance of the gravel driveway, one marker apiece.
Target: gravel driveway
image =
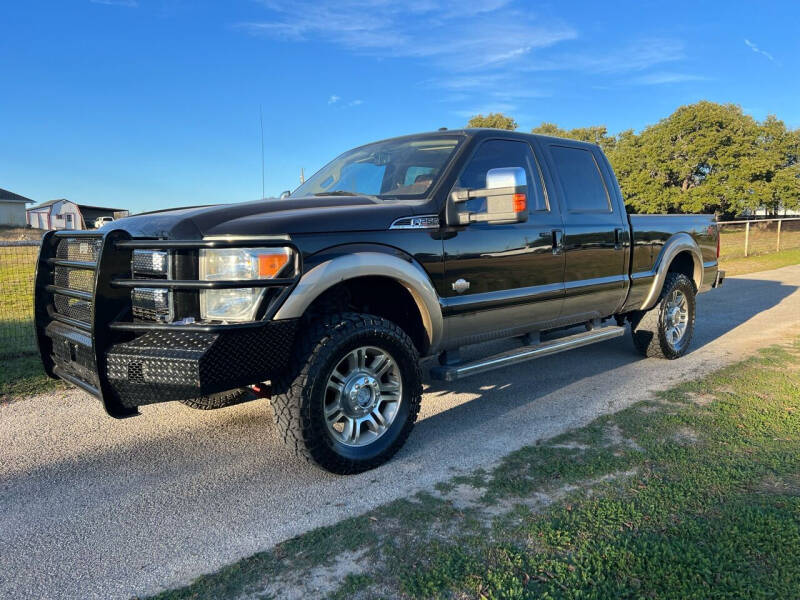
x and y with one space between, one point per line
96 508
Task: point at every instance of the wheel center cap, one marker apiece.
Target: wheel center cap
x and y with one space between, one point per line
361 393
364 396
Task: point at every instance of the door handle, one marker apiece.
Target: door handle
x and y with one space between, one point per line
618 238
558 240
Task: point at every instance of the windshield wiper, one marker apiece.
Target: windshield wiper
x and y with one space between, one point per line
338 193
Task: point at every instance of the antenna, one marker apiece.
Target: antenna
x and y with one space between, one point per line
261 121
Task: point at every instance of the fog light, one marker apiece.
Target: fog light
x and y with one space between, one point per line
152 304
150 262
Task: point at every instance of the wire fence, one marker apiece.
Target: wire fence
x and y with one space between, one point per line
17 267
18 263
739 239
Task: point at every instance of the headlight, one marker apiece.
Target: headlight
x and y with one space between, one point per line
237 304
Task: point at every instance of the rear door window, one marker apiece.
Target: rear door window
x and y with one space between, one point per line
580 178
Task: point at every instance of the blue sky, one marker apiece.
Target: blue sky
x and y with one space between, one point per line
147 104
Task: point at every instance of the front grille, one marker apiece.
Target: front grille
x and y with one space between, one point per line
73 308
151 304
84 249
150 262
87 249
76 279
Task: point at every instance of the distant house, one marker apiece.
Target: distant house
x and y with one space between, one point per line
64 214
762 212
12 208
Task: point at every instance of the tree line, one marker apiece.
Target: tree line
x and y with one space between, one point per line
704 157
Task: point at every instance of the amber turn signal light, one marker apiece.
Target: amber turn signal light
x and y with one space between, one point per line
271 264
519 202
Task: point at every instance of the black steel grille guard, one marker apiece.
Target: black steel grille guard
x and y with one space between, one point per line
110 315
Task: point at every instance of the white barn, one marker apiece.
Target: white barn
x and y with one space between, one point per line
12 209
65 214
56 214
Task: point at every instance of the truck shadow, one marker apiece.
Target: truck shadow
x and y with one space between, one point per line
507 389
736 302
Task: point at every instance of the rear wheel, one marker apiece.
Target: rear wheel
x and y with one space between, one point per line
354 394
666 330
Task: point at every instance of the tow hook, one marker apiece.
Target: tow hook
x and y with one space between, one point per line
262 390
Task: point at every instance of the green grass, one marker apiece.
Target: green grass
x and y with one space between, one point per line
21 371
23 376
763 238
695 494
764 262
17 267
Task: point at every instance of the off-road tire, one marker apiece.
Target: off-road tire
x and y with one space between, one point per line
220 400
648 328
298 395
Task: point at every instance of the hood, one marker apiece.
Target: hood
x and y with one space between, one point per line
270 216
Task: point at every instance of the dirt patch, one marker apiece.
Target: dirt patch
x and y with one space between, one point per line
686 436
775 485
20 234
701 399
317 582
614 437
571 446
465 496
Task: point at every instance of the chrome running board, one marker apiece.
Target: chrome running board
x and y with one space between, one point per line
518 355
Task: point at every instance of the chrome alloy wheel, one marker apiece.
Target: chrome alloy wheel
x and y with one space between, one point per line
362 396
676 317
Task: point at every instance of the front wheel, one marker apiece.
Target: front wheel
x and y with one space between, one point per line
666 330
354 393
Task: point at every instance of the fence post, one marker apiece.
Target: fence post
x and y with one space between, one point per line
778 245
746 237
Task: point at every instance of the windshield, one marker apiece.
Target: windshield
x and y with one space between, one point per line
406 168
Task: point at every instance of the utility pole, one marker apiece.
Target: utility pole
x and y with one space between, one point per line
261 121
302 176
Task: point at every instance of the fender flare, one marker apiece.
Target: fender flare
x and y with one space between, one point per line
680 242
364 264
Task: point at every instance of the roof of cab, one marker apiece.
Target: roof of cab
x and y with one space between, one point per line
484 132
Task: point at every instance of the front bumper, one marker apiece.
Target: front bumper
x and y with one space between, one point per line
88 336
174 365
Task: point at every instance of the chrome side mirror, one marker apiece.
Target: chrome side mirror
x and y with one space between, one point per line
505 196
505 177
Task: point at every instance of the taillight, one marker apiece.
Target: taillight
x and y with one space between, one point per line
718 236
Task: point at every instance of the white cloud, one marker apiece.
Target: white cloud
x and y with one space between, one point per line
333 99
665 77
637 55
758 50
355 103
457 35
479 53
485 109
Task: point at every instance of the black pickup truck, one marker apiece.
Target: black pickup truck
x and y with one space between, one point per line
410 247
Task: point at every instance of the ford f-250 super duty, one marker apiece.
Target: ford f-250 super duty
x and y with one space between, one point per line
400 249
